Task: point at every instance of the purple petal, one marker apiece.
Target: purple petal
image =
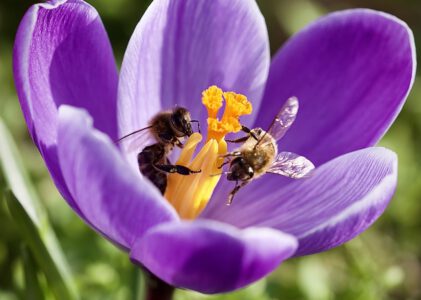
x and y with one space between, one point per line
62 55
211 257
338 201
352 72
180 48
113 198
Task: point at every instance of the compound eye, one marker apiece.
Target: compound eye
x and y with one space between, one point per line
181 122
177 120
186 128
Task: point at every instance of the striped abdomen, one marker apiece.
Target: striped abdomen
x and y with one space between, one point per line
153 155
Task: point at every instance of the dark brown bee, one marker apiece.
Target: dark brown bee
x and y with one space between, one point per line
259 153
168 129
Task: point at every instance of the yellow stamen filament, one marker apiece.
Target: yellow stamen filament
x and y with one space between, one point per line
190 194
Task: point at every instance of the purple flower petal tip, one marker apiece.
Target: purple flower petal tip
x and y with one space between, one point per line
352 72
62 55
212 257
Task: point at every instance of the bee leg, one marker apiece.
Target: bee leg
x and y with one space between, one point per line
245 129
248 130
178 143
225 163
235 191
175 169
231 154
237 141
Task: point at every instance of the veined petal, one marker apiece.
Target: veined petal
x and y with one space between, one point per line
180 48
352 72
114 199
62 55
338 201
211 257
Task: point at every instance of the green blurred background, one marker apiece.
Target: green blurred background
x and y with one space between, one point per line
383 263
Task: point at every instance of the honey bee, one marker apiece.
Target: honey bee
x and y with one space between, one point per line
259 155
168 129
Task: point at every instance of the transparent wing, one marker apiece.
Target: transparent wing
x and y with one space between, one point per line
137 140
284 119
291 165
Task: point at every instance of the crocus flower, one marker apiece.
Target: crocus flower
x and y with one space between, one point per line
351 71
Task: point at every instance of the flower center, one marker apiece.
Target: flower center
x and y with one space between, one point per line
190 194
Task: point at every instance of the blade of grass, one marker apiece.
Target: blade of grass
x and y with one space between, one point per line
32 220
16 177
33 289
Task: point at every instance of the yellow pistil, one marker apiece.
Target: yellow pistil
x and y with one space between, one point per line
190 194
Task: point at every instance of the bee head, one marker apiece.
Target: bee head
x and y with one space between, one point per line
240 170
181 122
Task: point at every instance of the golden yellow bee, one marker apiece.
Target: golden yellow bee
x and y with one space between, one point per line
259 155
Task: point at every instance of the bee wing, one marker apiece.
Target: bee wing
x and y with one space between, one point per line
136 140
284 119
291 165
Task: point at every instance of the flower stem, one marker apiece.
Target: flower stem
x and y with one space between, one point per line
156 289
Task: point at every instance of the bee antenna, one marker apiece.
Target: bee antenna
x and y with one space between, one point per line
198 124
132 133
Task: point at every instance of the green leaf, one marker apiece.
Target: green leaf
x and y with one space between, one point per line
33 289
16 177
31 219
